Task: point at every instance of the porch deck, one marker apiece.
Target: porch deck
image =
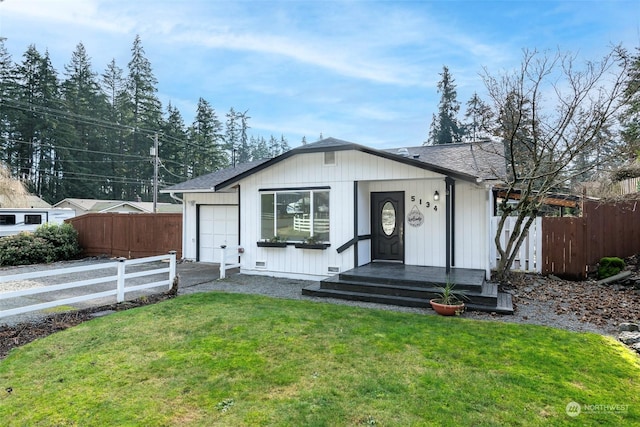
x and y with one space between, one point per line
410 285
386 272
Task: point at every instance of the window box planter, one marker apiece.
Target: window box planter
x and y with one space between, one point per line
321 246
272 244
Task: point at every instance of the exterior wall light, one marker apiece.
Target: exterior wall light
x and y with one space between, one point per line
436 196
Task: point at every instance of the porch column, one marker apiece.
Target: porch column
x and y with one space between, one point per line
450 206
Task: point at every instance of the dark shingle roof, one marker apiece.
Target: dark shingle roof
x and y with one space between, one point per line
469 162
209 182
484 160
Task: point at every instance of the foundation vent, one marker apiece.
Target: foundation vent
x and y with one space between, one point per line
333 269
261 264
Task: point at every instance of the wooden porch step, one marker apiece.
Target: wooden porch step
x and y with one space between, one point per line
482 294
504 305
414 276
501 304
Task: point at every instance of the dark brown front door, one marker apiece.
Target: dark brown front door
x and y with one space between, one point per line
387 224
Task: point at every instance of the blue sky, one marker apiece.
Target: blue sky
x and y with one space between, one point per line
362 71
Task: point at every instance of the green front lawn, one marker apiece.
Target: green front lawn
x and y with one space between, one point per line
229 359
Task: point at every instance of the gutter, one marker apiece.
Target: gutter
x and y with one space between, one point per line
184 222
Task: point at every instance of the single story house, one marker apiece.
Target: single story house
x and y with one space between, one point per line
83 206
29 201
332 205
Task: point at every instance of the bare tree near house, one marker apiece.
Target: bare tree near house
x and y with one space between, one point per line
549 112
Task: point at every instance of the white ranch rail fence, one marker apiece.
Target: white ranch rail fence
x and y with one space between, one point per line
229 258
529 255
120 278
304 224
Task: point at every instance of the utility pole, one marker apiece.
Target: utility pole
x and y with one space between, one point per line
154 153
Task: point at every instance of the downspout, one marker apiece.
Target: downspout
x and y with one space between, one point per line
449 232
176 198
452 190
355 224
184 221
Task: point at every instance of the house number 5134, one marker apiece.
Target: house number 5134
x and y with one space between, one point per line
426 204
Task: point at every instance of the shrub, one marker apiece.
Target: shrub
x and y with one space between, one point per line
64 239
25 248
48 243
610 266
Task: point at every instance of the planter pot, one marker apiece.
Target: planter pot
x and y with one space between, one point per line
312 245
445 309
272 244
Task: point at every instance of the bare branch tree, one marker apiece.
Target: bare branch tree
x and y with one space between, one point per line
549 112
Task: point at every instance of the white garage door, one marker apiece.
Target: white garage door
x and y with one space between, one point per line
218 226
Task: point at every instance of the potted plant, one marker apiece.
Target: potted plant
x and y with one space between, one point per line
312 242
448 302
275 242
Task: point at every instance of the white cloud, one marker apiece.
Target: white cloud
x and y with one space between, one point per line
64 13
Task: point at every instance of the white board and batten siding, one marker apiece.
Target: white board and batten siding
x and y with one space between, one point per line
471 226
424 245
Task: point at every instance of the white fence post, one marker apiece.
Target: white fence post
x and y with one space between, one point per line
120 280
172 268
223 262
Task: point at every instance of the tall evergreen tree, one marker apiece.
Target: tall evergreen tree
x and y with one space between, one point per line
113 85
445 128
146 116
284 145
232 134
36 126
205 147
478 119
8 86
630 117
171 148
86 104
244 149
274 146
259 148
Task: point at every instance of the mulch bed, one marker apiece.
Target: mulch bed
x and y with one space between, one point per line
601 305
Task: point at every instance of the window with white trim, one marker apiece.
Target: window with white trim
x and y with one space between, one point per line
295 215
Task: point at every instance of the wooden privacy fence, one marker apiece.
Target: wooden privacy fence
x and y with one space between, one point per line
129 235
571 246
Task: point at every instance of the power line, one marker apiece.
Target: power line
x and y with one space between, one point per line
94 177
32 107
62 148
